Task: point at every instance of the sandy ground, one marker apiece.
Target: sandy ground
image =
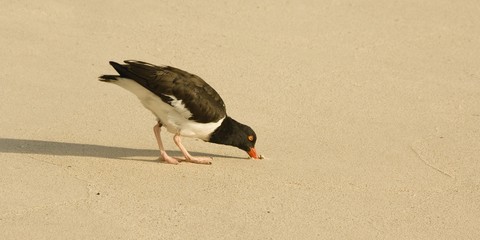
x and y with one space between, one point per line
368 112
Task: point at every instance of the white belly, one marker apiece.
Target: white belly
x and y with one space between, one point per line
175 119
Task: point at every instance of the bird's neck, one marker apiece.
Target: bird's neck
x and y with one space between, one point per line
224 134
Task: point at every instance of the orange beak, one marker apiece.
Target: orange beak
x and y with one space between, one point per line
253 153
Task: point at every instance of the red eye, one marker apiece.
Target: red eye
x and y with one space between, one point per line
250 138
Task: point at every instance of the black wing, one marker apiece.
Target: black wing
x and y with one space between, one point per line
199 98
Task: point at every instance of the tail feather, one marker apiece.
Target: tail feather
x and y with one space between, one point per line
108 78
135 70
119 68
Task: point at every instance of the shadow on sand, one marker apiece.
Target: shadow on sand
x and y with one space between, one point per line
10 145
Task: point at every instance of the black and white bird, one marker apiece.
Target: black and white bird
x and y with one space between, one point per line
185 105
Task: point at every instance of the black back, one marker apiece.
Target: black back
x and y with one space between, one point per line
199 98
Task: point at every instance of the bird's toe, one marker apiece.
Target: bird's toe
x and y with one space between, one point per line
200 160
169 160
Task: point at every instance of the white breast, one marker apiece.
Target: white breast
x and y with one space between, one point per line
175 117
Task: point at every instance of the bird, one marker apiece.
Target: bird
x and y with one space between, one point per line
185 105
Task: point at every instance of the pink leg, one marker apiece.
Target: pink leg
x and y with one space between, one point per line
163 154
188 157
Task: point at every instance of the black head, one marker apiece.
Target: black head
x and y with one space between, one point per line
245 139
236 134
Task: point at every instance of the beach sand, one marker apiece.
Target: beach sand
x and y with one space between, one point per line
368 113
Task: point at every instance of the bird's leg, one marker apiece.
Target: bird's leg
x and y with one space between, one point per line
163 153
188 157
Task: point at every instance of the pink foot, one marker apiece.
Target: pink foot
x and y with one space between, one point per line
197 160
168 159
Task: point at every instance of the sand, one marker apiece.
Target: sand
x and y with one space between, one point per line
368 113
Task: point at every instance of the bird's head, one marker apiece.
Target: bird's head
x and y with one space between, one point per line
246 140
236 134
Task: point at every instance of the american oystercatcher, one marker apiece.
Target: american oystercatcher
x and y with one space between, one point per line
185 105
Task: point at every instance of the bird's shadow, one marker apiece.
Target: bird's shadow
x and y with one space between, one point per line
27 146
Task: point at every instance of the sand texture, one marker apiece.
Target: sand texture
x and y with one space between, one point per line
368 113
